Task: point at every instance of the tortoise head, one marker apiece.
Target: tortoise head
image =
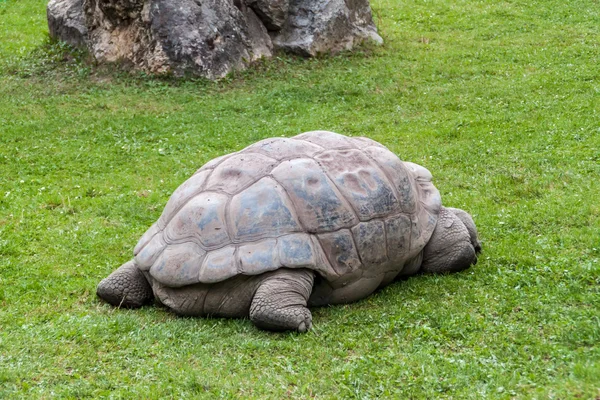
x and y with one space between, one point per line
453 245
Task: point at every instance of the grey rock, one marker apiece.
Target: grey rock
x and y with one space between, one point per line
273 13
118 32
66 22
262 46
316 219
325 26
209 38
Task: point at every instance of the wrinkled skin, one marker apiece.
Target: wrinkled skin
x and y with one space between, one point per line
454 244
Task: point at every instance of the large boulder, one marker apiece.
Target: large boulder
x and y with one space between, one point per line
209 38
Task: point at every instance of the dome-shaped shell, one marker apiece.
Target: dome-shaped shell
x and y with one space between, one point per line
340 206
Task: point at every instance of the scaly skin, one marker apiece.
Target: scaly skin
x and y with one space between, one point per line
467 220
279 304
453 245
126 287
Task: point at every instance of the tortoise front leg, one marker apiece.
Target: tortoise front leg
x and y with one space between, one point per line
126 287
279 303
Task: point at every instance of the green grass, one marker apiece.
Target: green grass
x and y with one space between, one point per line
499 99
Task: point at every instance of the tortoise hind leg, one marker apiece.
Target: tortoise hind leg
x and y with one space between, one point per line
279 303
126 287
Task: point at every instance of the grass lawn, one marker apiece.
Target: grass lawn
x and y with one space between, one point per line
499 99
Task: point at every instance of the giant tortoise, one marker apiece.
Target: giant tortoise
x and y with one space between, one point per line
288 223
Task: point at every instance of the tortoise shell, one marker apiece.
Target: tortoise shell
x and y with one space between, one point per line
337 205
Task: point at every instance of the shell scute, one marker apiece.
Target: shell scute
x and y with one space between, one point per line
398 174
262 210
362 142
319 204
361 182
430 203
398 231
201 219
239 171
370 241
296 251
327 140
218 265
340 250
178 265
213 163
150 252
256 258
282 148
422 227
181 195
428 195
302 250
